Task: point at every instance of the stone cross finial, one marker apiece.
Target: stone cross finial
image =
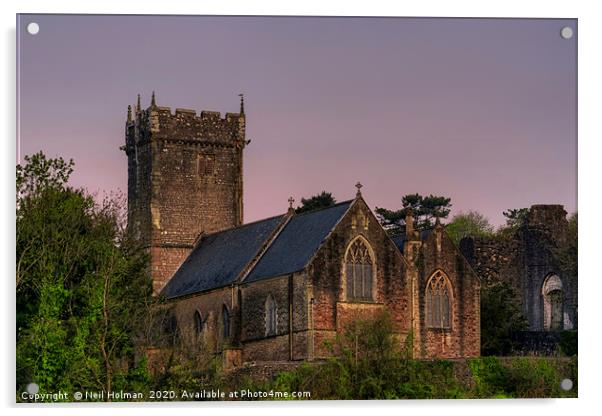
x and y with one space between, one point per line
359 186
291 200
242 103
129 113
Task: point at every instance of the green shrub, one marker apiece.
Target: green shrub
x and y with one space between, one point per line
368 362
568 343
491 378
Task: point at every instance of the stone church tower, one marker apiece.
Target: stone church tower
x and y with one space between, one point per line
184 179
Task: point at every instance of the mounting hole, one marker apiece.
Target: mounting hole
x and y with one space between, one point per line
566 384
32 388
566 32
33 28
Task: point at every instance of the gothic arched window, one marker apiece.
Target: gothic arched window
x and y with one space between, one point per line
225 322
198 322
438 301
359 271
271 316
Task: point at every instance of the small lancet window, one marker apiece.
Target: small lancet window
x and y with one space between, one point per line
225 322
438 301
271 316
359 272
198 322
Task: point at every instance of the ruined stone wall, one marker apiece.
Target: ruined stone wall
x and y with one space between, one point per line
331 311
525 259
462 339
495 259
184 178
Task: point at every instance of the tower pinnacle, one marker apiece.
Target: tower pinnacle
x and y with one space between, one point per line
242 103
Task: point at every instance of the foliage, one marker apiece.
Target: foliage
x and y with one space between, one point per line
515 219
491 378
569 343
521 377
501 315
82 290
321 200
567 255
369 362
469 224
425 209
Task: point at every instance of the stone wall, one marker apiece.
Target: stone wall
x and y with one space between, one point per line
331 311
496 259
524 259
210 305
290 340
462 338
184 179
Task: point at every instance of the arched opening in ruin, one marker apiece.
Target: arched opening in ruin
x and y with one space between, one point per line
553 308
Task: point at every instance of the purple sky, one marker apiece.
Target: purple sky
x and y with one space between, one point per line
480 110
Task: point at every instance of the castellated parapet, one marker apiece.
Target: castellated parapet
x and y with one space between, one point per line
184 179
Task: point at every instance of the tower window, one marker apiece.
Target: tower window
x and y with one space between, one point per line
359 272
438 301
206 164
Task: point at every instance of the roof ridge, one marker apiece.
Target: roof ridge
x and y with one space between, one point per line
258 272
238 227
325 208
263 249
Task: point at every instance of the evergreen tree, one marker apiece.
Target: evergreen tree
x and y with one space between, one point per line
321 200
425 208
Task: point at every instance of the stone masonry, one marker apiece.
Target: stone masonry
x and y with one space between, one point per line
526 259
184 179
185 189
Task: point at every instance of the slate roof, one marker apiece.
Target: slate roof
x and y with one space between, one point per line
400 239
218 258
297 242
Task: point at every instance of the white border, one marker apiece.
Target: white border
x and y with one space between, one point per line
590 68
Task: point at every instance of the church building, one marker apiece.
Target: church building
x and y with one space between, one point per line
278 288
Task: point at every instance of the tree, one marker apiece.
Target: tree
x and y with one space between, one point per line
567 256
501 315
469 224
321 200
425 209
516 217
82 287
567 251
